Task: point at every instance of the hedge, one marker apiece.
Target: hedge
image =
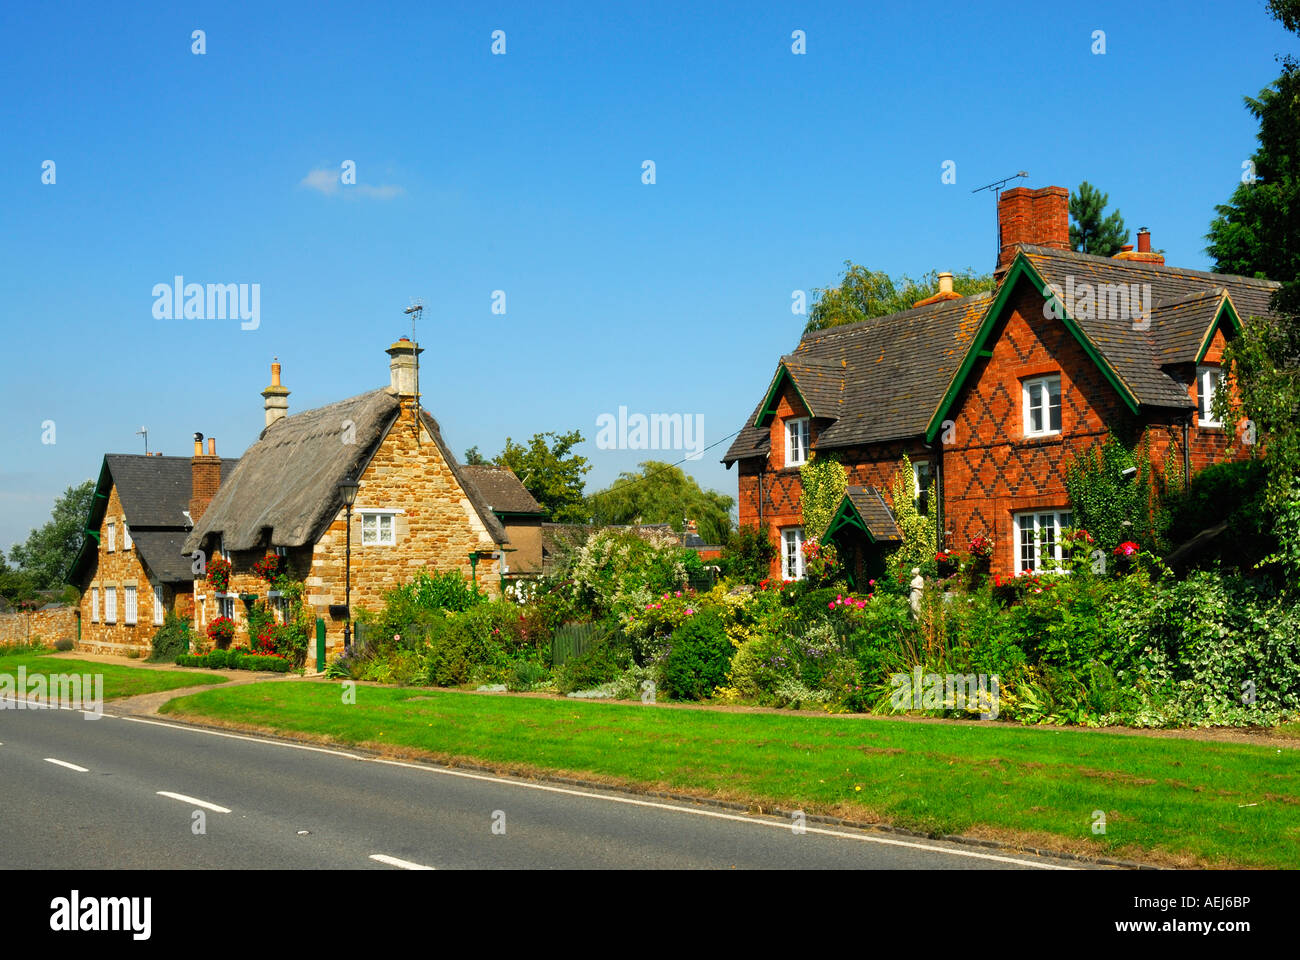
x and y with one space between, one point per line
234 660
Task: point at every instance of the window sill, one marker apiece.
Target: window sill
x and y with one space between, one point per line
1040 440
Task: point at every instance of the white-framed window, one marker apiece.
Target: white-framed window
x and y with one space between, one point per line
110 604
378 528
792 553
226 605
94 604
112 535
1208 382
922 476
1042 403
1038 540
130 606
280 606
126 536
158 612
796 441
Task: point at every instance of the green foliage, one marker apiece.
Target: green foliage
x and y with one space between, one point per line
1093 231
618 571
1112 509
234 660
1230 492
663 493
863 294
64 644
747 555
551 472
171 639
600 664
920 532
824 481
47 554
699 654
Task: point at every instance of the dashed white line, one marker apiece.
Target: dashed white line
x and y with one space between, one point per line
193 801
394 862
64 763
632 801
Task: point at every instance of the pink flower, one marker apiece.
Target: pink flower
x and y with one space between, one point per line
689 611
679 593
830 606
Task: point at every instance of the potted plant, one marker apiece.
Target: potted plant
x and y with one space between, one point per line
219 574
221 632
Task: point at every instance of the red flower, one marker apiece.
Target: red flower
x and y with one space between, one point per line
1126 549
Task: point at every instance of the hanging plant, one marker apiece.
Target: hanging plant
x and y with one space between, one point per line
270 568
221 631
219 573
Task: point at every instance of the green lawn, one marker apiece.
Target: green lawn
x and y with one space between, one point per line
119 681
1173 801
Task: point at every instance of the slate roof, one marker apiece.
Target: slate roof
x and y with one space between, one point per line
879 379
284 492
500 489
874 512
1180 299
884 379
155 493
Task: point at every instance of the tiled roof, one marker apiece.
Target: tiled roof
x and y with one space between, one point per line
875 514
1138 355
884 379
879 379
155 491
161 551
501 489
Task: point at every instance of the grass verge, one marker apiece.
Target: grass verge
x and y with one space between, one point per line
119 681
1177 802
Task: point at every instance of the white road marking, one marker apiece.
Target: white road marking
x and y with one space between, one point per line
394 862
191 800
64 763
547 788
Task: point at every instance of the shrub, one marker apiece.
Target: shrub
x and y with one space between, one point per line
619 570
471 644
1103 502
63 644
525 675
171 639
699 656
601 663
747 555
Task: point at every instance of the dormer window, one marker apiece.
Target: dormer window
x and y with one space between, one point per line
1042 406
1208 382
797 436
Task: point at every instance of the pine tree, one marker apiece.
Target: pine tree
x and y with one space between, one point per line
1091 232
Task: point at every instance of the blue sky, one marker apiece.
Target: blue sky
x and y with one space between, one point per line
523 173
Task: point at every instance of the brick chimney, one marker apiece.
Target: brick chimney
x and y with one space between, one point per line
401 367
1040 217
205 477
276 396
1143 252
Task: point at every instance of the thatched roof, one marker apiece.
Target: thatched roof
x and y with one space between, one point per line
284 492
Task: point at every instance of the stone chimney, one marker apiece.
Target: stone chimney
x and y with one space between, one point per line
276 396
205 477
1040 217
401 367
945 292
1143 252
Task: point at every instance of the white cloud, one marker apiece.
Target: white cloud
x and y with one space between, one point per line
327 182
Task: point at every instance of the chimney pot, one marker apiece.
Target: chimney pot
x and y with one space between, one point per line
205 477
276 397
401 367
1039 217
1126 248
1144 240
198 444
212 446
945 282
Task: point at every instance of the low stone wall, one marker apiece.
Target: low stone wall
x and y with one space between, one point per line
45 625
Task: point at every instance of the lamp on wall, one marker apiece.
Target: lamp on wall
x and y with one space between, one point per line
348 491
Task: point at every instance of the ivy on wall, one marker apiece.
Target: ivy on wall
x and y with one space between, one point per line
824 482
920 531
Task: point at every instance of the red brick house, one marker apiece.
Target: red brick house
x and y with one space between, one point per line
991 396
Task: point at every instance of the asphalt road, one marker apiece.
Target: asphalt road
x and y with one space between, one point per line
122 793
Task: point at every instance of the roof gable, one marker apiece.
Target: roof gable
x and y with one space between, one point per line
863 508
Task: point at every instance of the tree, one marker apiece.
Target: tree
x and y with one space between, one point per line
48 553
664 493
474 458
1092 232
551 473
1256 234
863 294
